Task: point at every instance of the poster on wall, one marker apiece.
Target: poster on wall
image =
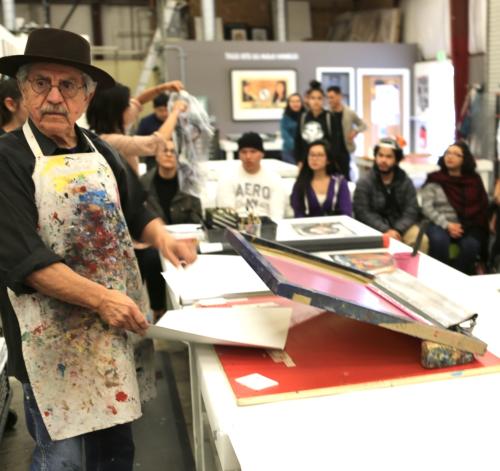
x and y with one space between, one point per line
384 105
434 119
260 95
342 77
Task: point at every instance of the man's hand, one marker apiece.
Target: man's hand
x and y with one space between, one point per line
455 230
176 251
352 135
173 86
180 106
393 234
118 310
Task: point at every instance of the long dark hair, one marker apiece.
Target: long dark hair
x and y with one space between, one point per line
289 112
468 164
8 89
105 112
306 174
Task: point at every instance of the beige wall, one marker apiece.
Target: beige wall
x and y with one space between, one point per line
127 72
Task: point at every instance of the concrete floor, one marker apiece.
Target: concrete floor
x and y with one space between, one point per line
162 436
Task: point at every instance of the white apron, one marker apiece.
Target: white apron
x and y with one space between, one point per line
82 371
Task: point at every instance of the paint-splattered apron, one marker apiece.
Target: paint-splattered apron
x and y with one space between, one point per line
82 371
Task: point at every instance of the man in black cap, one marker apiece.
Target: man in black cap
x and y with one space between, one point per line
250 188
385 198
71 293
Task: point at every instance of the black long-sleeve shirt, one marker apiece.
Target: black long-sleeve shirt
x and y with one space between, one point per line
22 251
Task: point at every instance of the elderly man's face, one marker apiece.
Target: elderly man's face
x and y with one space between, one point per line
53 113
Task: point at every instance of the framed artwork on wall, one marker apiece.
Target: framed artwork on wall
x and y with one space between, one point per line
259 34
383 97
236 31
260 95
342 77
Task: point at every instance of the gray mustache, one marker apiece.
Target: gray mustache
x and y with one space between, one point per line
54 110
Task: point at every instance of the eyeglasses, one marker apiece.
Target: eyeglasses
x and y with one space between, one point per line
43 86
456 154
169 152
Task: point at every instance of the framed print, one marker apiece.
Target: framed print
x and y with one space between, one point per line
260 95
384 105
239 34
342 77
236 31
259 34
323 227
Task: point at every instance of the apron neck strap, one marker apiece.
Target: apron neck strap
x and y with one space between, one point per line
35 147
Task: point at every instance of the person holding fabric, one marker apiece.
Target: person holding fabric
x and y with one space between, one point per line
13 113
385 198
314 124
320 190
112 112
68 211
288 126
165 198
456 203
152 122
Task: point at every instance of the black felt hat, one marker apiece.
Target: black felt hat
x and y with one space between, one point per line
60 47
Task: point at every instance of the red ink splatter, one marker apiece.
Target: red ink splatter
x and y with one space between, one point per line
55 216
113 410
121 396
46 413
38 330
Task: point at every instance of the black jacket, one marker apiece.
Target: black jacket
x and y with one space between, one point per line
384 208
184 208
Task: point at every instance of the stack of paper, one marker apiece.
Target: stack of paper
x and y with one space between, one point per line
213 276
265 327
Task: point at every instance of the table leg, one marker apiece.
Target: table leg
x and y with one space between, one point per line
199 443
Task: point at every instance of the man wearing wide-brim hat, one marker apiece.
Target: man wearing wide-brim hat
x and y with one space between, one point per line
68 210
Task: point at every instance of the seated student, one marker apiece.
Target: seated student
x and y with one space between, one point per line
250 188
164 187
320 190
456 203
111 112
494 258
13 113
386 199
165 198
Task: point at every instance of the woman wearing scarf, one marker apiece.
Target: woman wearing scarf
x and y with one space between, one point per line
456 203
288 126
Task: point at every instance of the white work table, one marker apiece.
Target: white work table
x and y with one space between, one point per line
445 424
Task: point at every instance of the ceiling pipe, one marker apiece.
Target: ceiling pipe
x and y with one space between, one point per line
9 14
208 15
280 21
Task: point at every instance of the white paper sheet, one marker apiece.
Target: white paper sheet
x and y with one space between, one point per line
213 276
240 325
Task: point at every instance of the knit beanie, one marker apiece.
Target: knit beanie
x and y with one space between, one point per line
251 140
